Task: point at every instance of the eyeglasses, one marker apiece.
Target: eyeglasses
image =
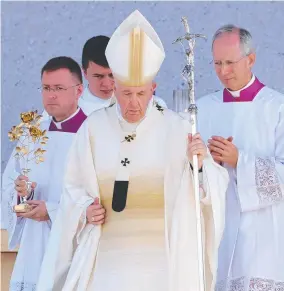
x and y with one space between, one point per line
227 63
56 89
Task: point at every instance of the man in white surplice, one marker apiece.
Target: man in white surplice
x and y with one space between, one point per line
61 89
100 83
133 156
245 127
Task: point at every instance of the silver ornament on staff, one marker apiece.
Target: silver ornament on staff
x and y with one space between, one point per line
184 103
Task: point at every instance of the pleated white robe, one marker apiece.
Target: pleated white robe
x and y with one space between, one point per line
251 256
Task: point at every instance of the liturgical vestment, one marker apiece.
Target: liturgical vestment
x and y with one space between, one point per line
251 256
148 241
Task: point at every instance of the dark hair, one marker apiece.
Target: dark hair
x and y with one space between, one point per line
63 63
94 51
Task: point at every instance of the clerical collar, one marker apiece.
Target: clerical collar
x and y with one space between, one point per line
58 123
127 126
89 97
70 124
238 92
245 94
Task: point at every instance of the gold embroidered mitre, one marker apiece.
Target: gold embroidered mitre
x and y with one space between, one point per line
135 52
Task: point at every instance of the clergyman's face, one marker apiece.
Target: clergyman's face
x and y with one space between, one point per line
60 93
232 67
100 79
133 101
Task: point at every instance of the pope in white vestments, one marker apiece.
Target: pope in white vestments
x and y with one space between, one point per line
140 170
251 255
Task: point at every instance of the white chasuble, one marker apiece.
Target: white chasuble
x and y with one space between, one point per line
251 256
148 241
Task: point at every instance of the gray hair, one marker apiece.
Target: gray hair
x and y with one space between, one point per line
246 42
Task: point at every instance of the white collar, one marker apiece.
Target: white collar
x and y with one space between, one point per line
238 92
89 97
58 124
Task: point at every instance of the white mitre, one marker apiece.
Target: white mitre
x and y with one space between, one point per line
135 52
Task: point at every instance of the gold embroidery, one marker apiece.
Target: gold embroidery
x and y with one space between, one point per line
136 57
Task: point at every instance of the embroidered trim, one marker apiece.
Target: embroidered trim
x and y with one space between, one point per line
279 286
267 182
22 286
252 284
237 284
258 284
